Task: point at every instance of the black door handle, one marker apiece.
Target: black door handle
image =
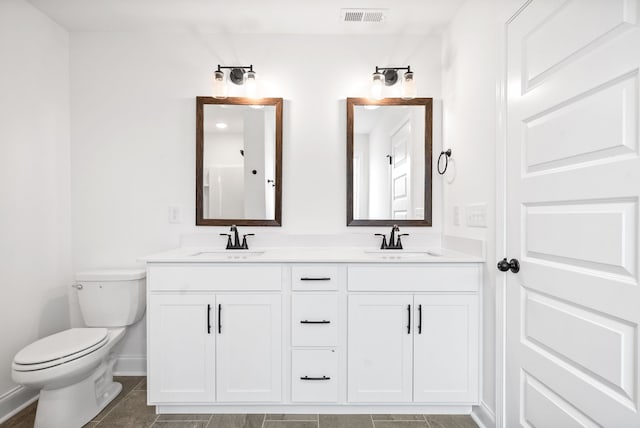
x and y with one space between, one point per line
513 265
315 322
219 318
208 319
409 319
419 319
323 278
315 378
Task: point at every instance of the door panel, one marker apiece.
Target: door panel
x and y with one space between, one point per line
573 185
380 348
445 362
181 357
249 359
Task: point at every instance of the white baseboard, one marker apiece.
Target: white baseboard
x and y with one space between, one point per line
483 416
130 365
15 400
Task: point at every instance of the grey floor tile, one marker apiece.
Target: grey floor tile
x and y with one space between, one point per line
180 424
400 424
450 421
142 385
185 417
291 417
236 421
345 421
398 418
131 412
91 425
128 383
23 419
290 424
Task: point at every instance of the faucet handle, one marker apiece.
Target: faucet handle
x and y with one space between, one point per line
399 242
244 245
384 245
228 235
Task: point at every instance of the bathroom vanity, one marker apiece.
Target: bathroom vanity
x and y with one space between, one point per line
313 331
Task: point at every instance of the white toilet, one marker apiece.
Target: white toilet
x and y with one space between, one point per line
74 368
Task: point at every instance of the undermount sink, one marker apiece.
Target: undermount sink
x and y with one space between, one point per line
401 254
227 254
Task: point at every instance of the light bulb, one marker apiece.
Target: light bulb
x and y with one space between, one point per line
377 86
251 84
408 86
219 85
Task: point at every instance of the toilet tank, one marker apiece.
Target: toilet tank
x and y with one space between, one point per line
111 298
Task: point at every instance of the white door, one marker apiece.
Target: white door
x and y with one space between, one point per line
380 348
445 349
249 350
181 357
573 183
401 172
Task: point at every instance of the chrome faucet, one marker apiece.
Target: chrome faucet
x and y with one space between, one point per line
394 243
236 244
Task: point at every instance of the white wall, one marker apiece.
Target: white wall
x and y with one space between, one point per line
35 226
470 53
133 134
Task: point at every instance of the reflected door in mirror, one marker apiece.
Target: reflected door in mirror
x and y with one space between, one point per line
391 152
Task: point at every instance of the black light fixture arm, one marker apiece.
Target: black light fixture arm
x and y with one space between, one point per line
408 68
233 67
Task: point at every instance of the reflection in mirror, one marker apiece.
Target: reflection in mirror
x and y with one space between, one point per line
238 165
389 155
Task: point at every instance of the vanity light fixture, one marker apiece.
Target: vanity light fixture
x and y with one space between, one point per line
238 75
388 76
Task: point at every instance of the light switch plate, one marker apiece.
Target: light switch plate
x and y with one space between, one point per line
174 214
477 215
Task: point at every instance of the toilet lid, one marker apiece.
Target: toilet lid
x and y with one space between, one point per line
60 345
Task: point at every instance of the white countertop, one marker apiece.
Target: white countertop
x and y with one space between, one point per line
309 255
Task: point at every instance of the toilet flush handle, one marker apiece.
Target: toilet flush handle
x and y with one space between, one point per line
78 286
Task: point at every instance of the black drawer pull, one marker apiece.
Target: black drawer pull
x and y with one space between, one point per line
219 319
315 378
313 278
315 322
208 319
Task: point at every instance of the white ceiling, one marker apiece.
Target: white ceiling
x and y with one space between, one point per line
248 16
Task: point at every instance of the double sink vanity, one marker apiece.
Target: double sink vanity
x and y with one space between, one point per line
313 330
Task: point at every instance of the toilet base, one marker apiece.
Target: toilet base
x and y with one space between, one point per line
75 405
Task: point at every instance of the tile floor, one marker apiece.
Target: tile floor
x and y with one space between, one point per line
129 410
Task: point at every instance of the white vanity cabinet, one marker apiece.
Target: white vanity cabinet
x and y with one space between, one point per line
249 348
313 337
181 337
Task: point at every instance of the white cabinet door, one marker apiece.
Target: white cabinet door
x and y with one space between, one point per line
249 362
445 349
380 348
181 365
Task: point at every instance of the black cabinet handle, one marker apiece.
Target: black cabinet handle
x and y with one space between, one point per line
208 319
322 278
315 322
219 318
315 378
409 319
419 319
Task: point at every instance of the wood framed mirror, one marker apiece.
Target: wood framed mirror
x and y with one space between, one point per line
238 161
389 152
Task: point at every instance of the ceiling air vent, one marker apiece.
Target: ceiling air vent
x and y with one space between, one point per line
363 15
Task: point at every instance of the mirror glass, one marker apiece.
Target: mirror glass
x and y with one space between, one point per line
390 158
238 163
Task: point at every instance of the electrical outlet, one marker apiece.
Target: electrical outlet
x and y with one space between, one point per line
174 214
477 215
456 215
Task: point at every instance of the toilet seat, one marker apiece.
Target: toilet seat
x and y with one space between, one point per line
60 348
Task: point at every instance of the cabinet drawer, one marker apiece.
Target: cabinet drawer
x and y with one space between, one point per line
314 376
314 277
433 277
218 277
314 319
